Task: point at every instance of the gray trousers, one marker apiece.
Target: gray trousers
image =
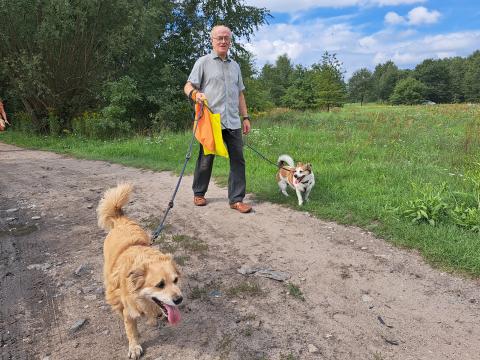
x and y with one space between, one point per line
236 179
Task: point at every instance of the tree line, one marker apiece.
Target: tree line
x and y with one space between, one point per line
107 68
450 80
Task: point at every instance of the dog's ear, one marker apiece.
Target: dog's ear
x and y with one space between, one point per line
309 166
136 277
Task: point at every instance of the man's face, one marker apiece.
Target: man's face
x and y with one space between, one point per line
221 41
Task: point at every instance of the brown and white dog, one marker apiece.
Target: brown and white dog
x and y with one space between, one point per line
139 279
300 177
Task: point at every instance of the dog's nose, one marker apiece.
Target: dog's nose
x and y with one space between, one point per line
178 300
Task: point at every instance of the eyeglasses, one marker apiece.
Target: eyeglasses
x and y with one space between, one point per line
222 38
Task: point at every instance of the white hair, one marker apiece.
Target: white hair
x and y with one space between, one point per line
217 27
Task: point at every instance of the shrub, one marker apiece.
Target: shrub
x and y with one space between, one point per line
408 91
54 123
466 217
21 121
430 207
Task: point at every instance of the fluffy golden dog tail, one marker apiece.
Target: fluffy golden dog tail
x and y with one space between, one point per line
110 207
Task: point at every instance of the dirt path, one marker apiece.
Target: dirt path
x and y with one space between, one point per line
362 298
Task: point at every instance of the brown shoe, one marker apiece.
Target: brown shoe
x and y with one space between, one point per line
241 206
199 200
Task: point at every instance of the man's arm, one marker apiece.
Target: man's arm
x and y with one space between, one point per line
242 108
193 93
2 113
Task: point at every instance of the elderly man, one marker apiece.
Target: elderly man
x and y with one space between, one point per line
217 78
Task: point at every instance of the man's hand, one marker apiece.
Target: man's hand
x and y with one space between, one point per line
200 97
246 127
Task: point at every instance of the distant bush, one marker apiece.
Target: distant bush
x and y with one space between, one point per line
54 123
94 125
408 91
21 121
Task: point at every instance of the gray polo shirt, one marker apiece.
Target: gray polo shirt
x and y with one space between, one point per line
221 82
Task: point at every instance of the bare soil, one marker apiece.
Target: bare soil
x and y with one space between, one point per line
350 295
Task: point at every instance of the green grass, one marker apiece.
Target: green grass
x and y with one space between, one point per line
249 288
365 160
295 291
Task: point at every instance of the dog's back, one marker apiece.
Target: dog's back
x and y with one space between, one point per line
123 232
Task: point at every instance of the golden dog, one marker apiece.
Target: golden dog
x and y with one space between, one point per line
139 280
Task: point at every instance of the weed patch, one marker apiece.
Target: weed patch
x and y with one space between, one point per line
295 291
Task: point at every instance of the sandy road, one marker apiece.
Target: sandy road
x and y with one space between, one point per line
363 299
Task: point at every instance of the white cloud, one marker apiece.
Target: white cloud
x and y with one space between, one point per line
392 18
290 6
421 15
304 44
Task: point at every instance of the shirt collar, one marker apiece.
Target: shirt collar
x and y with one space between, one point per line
215 56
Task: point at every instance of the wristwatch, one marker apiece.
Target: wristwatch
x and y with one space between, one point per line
246 117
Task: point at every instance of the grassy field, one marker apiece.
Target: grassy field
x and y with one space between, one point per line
410 174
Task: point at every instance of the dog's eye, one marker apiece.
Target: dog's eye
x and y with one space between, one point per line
161 284
175 281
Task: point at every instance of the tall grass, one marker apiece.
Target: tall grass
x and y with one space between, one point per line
371 164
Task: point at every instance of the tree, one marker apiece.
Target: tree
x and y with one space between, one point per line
360 85
278 78
57 55
385 78
330 89
436 76
301 95
408 91
472 77
457 67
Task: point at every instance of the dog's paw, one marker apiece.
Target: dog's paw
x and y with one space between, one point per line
134 352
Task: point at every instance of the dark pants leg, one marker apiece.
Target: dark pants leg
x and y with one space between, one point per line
236 178
203 172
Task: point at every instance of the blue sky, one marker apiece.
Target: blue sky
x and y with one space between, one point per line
364 33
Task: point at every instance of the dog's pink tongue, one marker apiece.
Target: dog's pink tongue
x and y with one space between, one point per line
173 314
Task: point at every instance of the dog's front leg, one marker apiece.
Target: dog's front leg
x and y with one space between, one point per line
307 193
300 197
134 348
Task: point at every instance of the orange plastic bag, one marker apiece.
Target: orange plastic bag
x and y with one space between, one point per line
209 132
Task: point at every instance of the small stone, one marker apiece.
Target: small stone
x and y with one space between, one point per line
36 217
80 270
78 324
312 349
90 297
89 206
366 298
363 248
215 293
9 211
